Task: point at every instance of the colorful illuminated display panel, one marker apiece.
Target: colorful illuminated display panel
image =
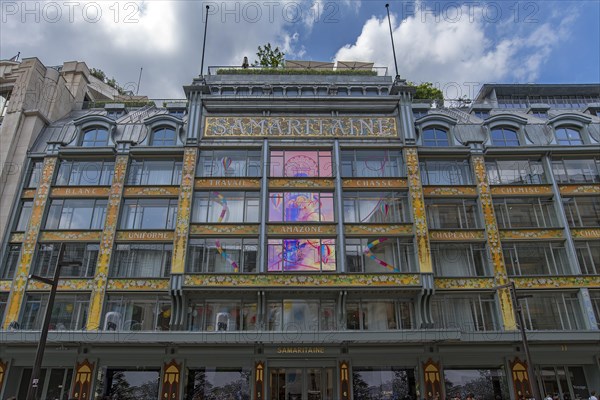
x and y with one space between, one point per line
301 207
301 255
301 164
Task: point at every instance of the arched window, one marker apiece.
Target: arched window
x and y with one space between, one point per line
435 137
164 137
568 137
95 137
504 137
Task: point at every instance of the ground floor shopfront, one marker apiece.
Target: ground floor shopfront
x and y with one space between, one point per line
298 371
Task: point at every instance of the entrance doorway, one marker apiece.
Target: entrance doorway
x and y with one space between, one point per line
301 383
568 382
56 387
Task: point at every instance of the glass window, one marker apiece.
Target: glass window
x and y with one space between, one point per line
379 315
568 137
467 314
149 214
229 163
576 171
452 214
446 172
301 164
453 259
3 303
76 214
525 213
383 383
222 255
372 164
133 260
225 207
24 216
588 254
137 313
515 172
595 297
376 207
218 383
435 137
222 315
309 255
84 253
486 384
582 211
35 174
301 207
481 114
164 137
10 262
383 255
301 315
534 258
85 173
95 137
132 384
556 311
540 114
154 172
69 312
504 137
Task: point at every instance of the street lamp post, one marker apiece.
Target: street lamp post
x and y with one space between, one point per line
37 366
521 323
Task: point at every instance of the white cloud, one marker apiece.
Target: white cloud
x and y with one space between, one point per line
456 54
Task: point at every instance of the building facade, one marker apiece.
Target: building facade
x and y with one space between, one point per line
310 237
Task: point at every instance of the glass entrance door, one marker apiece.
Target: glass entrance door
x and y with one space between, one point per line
301 384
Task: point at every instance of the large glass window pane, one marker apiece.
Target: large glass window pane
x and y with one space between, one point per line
474 313
582 211
137 313
218 383
504 137
226 207
459 259
154 172
383 383
512 172
302 163
79 259
525 213
148 214
445 172
378 315
568 137
35 174
435 137
576 170
486 384
164 136
559 311
24 215
142 260
69 312
588 254
452 214
85 173
301 255
95 137
10 261
229 163
535 259
301 207
372 163
375 207
382 255
132 384
76 214
222 255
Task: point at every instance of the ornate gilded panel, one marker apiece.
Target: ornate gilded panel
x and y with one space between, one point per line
63 284
259 381
521 190
585 233
29 242
493 238
80 191
144 236
379 229
5 285
170 381
432 378
227 183
184 210
3 372
527 234
344 380
579 189
82 384
224 229
418 208
303 280
449 191
17 238
559 282
464 283
303 183
70 236
520 379
302 127
28 194
307 229
151 191
138 284
382 183
106 243
456 236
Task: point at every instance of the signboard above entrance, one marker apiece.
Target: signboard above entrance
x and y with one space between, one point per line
347 127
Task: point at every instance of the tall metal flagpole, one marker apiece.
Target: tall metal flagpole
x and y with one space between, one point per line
387 7
204 42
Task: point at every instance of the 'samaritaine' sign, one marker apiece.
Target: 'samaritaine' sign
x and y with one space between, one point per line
301 126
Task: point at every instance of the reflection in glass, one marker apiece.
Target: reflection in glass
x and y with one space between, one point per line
486 384
135 313
229 163
296 164
380 255
301 207
301 255
375 207
132 384
218 383
226 207
222 255
383 383
372 164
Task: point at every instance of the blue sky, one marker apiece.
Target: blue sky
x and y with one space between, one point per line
457 45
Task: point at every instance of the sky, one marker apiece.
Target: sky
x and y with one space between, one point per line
458 46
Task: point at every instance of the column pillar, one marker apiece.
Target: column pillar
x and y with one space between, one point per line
345 390
493 236
587 307
107 239
264 203
339 208
83 380
259 381
17 293
171 381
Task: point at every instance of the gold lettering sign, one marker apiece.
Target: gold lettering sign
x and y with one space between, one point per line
301 229
301 127
227 183
524 190
80 191
456 235
589 233
301 350
374 183
144 236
